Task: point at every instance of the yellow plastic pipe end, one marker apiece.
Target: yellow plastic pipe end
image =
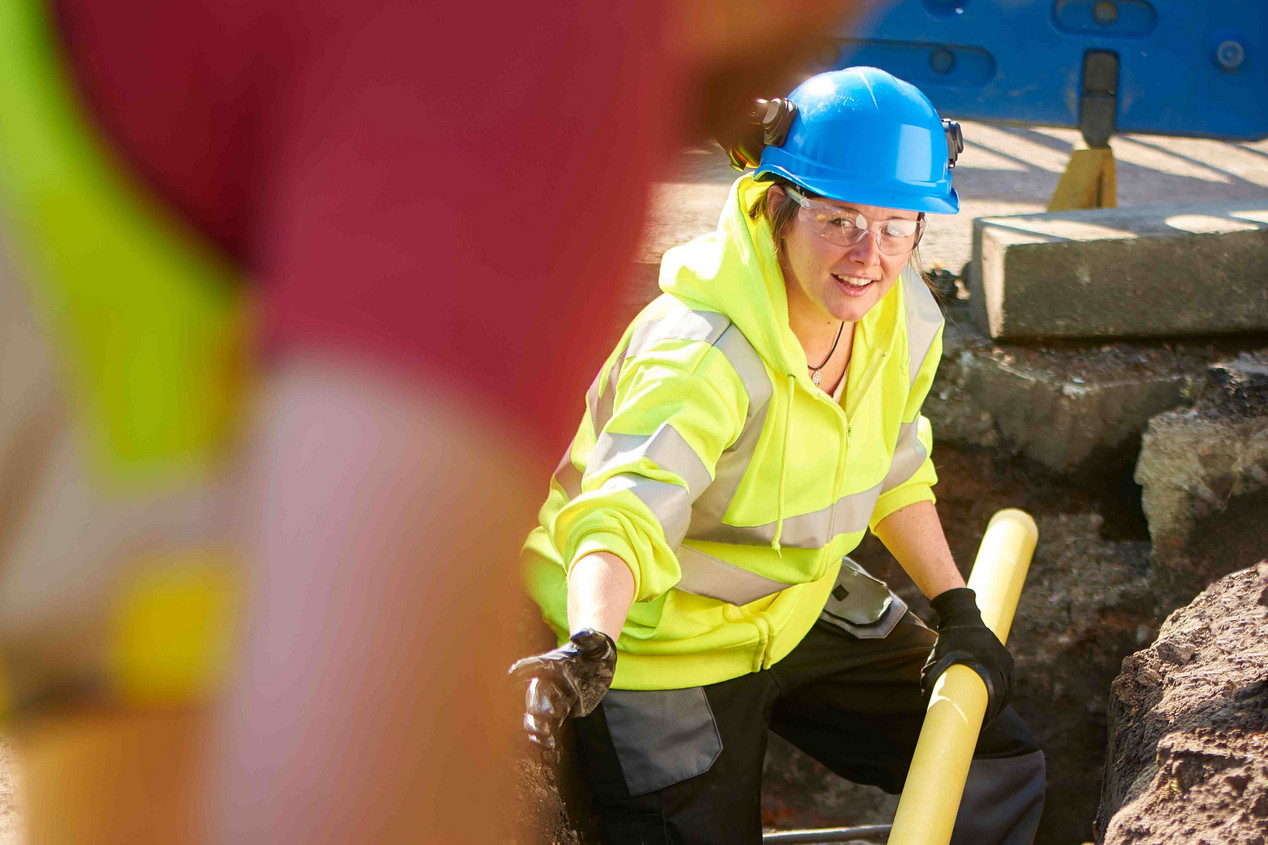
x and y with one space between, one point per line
1000 569
940 764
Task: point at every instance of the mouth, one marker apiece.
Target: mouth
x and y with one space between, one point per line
853 285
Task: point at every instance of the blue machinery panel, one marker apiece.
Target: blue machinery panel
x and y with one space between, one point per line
1184 67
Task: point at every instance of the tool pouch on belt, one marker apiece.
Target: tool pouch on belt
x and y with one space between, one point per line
861 605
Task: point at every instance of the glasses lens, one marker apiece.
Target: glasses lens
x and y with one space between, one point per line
899 236
846 226
838 226
900 228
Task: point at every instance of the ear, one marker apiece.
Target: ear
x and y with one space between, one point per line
774 196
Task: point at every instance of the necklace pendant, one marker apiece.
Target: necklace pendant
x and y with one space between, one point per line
816 378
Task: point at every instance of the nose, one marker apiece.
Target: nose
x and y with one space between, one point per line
866 252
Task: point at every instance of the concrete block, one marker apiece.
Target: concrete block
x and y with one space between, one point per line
1076 409
1143 271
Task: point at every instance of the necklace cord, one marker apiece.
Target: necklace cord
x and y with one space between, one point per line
840 328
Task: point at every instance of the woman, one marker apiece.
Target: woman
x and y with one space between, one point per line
754 421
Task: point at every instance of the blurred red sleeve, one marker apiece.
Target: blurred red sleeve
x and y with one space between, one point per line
453 187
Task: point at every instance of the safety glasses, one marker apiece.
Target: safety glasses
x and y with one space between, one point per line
846 226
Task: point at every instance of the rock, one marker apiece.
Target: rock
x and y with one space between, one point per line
1204 486
1085 274
1187 759
1175 653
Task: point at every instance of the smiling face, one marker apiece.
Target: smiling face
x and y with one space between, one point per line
831 283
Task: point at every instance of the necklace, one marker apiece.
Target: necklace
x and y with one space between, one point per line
814 371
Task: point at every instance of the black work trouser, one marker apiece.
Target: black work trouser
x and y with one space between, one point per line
684 766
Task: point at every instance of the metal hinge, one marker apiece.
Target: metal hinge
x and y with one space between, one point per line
1098 104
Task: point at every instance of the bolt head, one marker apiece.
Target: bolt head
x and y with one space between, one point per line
1105 13
1230 54
942 61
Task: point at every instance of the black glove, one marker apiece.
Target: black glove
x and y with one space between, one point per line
566 682
964 638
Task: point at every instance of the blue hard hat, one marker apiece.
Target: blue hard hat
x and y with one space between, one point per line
862 135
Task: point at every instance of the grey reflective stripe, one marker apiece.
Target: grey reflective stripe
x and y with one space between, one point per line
909 456
665 447
600 401
705 326
705 575
672 451
568 476
811 530
681 324
734 461
669 503
924 318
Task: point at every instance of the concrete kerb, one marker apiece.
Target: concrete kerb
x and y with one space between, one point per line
1143 271
1075 409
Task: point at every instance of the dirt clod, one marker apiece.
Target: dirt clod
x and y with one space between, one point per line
1188 750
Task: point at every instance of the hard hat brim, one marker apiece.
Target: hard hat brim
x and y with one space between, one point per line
891 195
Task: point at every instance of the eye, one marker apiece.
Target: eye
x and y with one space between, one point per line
900 228
845 223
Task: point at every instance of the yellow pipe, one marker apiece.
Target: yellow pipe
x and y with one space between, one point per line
940 764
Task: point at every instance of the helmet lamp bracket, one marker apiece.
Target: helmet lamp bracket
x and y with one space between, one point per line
767 126
776 119
955 141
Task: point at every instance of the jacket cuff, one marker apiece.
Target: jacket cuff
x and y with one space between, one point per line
899 498
613 543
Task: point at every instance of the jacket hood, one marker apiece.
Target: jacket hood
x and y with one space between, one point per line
734 270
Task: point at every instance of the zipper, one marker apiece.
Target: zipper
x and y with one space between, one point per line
856 396
869 375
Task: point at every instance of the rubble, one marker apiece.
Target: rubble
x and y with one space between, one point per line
1085 274
1204 481
1187 759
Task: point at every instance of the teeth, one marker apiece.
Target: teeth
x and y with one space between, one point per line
853 281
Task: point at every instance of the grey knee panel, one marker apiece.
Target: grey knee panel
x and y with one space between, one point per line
1002 803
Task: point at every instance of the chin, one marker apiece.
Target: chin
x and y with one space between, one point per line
852 312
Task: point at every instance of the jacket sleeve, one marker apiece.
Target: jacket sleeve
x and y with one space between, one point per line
675 409
911 474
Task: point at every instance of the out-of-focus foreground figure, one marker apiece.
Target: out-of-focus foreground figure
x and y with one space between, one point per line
285 284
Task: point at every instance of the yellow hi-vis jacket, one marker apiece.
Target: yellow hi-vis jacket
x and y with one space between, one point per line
710 463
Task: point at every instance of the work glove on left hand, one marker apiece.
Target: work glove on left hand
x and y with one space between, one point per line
964 638
566 682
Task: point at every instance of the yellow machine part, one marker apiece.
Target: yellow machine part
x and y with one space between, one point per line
1090 180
